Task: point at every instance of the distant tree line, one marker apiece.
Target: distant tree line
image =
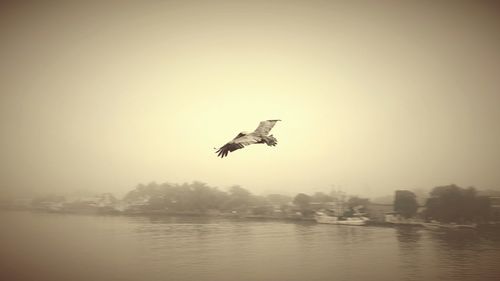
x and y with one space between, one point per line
199 197
449 203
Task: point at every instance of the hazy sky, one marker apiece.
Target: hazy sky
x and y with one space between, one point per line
374 96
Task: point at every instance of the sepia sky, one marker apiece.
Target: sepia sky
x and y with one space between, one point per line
374 95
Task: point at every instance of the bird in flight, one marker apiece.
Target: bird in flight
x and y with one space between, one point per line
260 135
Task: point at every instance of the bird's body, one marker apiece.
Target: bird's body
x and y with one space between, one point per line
260 135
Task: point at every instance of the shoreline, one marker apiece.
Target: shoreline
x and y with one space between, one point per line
480 227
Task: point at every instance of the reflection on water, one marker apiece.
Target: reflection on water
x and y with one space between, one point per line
414 260
72 247
467 254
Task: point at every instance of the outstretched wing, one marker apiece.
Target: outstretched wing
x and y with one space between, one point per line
238 142
265 127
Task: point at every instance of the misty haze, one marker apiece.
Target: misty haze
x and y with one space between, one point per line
249 140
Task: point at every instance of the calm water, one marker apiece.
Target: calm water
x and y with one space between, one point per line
37 246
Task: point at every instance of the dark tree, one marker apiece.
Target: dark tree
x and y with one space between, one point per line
405 203
302 200
452 203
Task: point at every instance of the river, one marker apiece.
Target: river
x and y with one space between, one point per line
44 246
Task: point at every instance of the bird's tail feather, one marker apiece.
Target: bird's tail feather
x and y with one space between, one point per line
270 140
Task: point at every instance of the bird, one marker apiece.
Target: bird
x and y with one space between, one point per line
260 135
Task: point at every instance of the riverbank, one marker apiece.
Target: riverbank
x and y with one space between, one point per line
290 218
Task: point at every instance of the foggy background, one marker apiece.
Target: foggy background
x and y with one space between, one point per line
374 95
